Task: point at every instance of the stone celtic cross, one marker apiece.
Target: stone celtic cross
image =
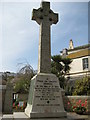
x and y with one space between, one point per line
45 17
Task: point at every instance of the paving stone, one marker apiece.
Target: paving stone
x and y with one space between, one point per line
23 116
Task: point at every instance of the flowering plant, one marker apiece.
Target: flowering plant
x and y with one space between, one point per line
17 106
80 107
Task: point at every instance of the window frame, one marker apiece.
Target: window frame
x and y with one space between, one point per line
85 63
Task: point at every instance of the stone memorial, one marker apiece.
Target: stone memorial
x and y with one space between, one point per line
45 99
8 102
2 94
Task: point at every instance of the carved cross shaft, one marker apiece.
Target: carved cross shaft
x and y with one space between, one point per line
45 17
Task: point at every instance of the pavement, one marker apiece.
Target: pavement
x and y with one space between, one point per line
74 116
22 116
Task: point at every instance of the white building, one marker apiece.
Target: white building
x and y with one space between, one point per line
80 56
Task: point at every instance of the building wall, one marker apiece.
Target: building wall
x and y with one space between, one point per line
89 63
77 65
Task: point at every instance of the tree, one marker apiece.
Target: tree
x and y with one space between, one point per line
23 78
60 67
82 86
7 76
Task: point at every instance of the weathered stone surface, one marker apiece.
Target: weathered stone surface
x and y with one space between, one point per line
45 99
45 17
0 101
8 99
2 94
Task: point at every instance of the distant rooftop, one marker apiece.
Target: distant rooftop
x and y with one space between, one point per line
79 47
72 48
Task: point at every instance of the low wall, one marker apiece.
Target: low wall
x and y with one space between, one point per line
70 101
2 97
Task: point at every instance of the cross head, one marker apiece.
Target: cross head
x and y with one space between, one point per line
44 12
45 17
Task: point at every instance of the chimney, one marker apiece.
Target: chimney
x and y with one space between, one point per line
71 44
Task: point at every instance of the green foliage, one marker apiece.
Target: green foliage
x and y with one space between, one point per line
9 78
6 77
23 78
67 62
82 86
59 67
23 83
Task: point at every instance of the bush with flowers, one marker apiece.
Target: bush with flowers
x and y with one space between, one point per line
17 107
79 106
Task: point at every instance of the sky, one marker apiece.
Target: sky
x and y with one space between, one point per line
19 35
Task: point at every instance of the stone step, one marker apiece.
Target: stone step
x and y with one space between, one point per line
22 116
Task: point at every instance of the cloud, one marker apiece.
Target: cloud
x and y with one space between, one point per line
21 34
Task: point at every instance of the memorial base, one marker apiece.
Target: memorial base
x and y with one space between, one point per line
45 99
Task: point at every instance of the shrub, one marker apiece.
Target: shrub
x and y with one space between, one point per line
82 86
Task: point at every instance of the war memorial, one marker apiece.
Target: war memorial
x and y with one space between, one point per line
45 95
45 100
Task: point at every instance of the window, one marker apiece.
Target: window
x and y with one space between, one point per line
85 63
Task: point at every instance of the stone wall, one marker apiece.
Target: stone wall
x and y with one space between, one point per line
2 97
70 101
8 100
0 101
